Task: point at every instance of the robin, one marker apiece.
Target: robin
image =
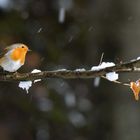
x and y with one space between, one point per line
13 57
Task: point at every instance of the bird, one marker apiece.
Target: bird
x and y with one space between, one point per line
13 57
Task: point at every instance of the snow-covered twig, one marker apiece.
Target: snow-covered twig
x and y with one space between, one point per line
132 66
117 82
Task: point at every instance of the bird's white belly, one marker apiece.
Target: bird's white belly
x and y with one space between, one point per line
11 66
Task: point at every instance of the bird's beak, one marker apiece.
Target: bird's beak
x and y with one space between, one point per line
29 50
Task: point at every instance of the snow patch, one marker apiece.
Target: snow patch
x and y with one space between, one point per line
138 58
36 71
112 76
102 66
25 85
61 70
80 69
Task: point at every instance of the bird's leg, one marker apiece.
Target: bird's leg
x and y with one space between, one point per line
15 73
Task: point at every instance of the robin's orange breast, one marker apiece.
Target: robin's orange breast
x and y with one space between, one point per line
18 54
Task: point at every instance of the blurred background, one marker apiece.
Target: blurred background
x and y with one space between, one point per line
70 34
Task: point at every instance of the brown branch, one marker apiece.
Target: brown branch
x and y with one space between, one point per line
132 66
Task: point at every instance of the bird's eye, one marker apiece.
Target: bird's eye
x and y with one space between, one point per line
22 46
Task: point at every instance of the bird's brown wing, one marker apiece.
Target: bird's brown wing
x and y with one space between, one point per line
4 52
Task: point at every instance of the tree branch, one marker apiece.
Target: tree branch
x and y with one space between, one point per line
132 66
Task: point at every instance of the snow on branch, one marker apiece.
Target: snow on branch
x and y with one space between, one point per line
132 66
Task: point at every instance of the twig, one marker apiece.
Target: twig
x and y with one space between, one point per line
101 59
118 82
132 66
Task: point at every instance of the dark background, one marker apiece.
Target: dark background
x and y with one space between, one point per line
57 109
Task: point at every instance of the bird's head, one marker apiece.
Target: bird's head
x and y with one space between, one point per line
18 51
